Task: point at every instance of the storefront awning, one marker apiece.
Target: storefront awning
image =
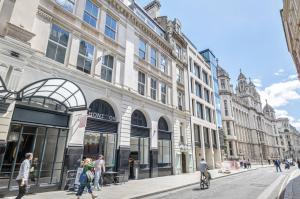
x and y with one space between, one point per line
60 90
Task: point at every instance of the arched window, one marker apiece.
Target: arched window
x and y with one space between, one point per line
102 107
138 119
226 107
162 124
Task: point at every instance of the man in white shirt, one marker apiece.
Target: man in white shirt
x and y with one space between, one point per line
23 176
203 167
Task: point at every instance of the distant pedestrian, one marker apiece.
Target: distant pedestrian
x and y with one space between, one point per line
23 175
245 164
86 178
277 165
298 163
269 161
287 164
249 164
99 170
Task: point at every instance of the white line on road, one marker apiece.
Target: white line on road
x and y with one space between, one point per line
270 189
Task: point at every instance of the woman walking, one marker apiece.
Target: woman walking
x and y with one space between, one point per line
86 178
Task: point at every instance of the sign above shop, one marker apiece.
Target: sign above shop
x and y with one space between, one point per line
101 116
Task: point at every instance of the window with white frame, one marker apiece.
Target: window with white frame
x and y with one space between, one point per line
85 57
208 114
223 83
163 93
163 63
197 70
179 74
110 27
198 90
205 77
180 96
91 13
57 44
178 51
153 88
141 83
142 49
107 68
66 4
153 57
200 113
206 95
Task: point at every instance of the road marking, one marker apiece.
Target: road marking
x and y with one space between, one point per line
270 189
290 177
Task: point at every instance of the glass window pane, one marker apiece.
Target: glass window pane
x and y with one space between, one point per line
60 55
51 50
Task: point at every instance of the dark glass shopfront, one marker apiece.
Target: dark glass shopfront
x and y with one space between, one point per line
39 125
101 133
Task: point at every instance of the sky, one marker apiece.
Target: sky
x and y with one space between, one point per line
246 35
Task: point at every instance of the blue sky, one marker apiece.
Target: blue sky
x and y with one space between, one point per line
246 35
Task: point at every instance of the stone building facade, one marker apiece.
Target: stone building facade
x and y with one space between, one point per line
250 130
96 77
205 134
289 139
290 15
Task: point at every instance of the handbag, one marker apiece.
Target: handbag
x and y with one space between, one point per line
90 175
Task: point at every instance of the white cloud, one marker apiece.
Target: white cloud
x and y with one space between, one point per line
257 83
293 77
279 72
280 94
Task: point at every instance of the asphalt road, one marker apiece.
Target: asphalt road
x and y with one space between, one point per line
248 185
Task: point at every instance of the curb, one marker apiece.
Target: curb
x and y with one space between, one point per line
191 184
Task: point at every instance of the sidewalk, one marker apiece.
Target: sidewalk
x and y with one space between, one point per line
292 190
141 188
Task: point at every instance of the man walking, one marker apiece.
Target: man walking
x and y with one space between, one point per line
22 178
277 165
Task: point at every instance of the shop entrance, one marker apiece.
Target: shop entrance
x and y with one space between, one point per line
46 144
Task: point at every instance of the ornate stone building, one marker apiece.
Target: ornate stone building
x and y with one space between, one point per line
289 139
250 130
290 15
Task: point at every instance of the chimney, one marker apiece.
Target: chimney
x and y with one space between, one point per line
153 9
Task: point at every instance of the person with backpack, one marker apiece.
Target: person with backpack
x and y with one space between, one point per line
86 178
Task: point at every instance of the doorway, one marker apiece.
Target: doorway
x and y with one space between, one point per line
183 163
46 144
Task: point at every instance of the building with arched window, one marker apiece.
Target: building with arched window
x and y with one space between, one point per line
84 78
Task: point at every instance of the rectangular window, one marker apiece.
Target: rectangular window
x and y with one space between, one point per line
208 114
197 134
66 4
142 49
205 77
222 83
214 134
163 93
164 153
180 100
57 44
192 85
91 12
178 51
141 83
198 90
228 128
193 107
206 137
153 57
163 63
110 27
153 88
200 113
206 95
179 73
197 71
85 57
107 68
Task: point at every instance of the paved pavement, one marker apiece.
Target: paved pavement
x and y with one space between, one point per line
148 187
259 184
292 190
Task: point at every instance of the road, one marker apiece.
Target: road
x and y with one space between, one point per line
256 184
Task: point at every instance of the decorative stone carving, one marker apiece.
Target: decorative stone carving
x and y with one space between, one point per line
18 32
44 15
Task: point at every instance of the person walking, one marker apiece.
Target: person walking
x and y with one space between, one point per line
298 163
23 175
277 165
86 178
99 170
